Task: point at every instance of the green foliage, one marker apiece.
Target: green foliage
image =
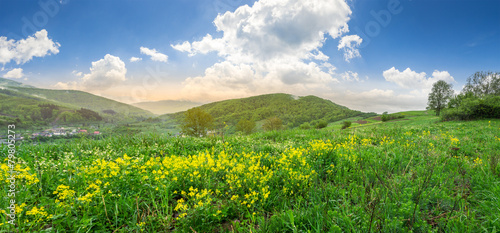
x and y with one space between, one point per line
439 96
305 125
387 117
246 126
472 107
197 122
479 99
272 124
293 111
346 124
89 114
426 177
482 84
321 124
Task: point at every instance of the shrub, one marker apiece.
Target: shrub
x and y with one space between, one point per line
273 123
245 126
321 124
305 126
346 124
471 108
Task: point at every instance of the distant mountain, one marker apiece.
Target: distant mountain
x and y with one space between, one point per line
292 110
82 99
11 83
167 106
30 105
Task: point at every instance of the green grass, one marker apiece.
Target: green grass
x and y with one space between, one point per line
417 175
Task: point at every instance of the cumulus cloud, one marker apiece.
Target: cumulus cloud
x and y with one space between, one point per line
184 47
278 41
155 55
350 46
76 73
104 74
412 80
22 51
14 73
350 76
135 59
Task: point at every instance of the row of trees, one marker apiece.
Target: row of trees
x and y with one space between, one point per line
198 123
480 98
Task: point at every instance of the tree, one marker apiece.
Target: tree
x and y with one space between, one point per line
321 124
346 124
439 96
273 123
197 122
482 83
245 126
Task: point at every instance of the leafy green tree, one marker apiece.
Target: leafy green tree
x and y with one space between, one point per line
482 83
305 125
245 126
197 122
321 124
346 124
439 96
273 123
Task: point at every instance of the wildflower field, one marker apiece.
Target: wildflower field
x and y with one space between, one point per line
420 176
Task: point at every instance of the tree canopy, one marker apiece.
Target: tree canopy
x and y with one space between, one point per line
245 126
273 123
483 83
439 96
197 122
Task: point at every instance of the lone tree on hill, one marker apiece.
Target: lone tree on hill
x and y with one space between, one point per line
273 123
246 126
439 96
197 122
482 83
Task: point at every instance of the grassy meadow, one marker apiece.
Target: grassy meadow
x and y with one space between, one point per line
416 174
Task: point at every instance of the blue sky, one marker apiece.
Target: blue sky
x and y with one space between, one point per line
380 55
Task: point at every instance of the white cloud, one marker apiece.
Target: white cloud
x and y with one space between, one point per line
350 46
24 50
135 59
276 41
104 74
76 73
155 55
14 73
412 80
350 76
184 47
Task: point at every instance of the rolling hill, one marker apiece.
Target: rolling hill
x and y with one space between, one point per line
166 106
292 110
31 105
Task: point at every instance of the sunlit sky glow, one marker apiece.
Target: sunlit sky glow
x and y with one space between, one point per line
380 55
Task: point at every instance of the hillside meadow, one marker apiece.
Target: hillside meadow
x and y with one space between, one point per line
417 174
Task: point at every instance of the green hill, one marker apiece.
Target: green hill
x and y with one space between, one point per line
28 105
11 83
167 106
82 99
293 111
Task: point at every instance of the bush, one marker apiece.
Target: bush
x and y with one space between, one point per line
321 124
246 126
305 126
387 117
273 123
471 108
346 124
